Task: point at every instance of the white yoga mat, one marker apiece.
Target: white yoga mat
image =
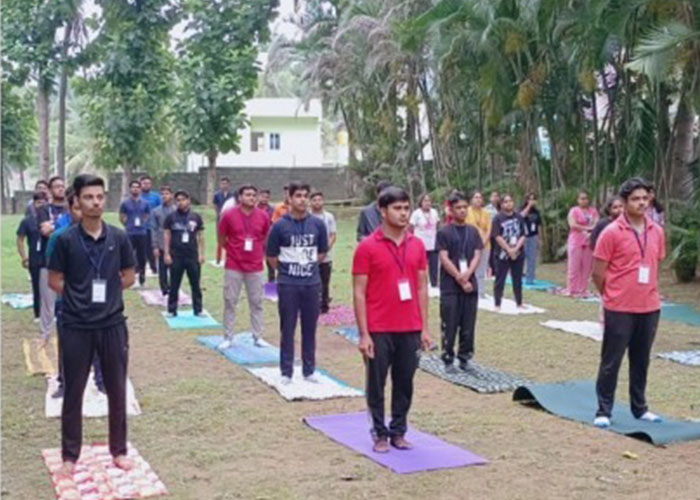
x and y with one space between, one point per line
507 307
326 388
94 402
688 358
589 329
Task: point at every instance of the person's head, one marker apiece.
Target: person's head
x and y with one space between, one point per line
224 183
248 195
57 188
459 205
507 203
424 202
182 198
530 198
654 201
582 199
495 199
166 194
73 205
90 191
40 199
146 183
395 206
264 196
317 200
135 189
299 196
477 199
635 196
614 207
42 185
381 186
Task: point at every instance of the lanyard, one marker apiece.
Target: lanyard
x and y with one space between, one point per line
245 220
642 249
400 262
462 241
97 265
180 216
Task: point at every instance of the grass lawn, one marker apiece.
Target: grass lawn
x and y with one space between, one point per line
212 431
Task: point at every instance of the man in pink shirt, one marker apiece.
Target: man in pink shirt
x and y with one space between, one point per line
243 231
625 271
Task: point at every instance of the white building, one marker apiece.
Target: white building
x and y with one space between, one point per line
281 132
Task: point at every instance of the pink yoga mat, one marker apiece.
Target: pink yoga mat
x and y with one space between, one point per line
337 316
156 298
429 452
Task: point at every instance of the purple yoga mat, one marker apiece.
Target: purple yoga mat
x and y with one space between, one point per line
270 290
156 298
428 453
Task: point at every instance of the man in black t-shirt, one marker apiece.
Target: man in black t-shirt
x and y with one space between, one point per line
459 245
29 229
90 266
508 231
533 221
183 241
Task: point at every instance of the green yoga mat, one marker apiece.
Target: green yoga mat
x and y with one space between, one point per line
576 400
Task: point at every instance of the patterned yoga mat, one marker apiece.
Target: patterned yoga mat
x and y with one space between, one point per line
477 377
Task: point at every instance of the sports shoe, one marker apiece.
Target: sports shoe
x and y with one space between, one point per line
311 378
450 368
226 344
58 393
286 380
400 443
381 445
464 366
651 417
258 341
601 422
172 315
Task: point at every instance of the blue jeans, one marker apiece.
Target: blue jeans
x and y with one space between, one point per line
532 246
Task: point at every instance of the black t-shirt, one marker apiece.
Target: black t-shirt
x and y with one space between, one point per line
460 241
51 213
533 221
29 229
184 227
510 227
600 225
82 260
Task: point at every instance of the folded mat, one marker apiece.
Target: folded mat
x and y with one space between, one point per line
429 452
576 400
350 333
40 361
535 285
326 388
156 298
94 401
18 300
690 358
507 307
270 291
96 477
243 351
336 316
589 329
186 320
477 377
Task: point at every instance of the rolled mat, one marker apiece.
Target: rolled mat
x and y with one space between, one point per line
539 285
156 298
40 361
589 329
18 300
576 400
243 351
96 476
327 386
94 401
688 358
186 320
352 430
478 377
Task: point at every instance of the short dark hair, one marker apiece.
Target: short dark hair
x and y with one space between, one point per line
225 179
145 178
70 196
87 180
391 195
458 196
246 187
298 186
40 195
631 185
182 192
54 179
266 191
138 183
41 182
381 186
166 188
315 194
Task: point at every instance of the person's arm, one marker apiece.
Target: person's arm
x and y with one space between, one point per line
272 248
448 265
361 226
359 289
21 252
573 224
425 340
526 210
332 233
221 232
322 240
200 245
166 247
599 268
122 214
128 277
56 281
127 267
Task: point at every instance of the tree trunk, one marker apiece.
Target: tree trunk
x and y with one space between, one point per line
211 175
3 208
42 111
128 173
62 90
682 154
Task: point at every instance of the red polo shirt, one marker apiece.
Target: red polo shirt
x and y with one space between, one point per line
382 261
237 227
621 247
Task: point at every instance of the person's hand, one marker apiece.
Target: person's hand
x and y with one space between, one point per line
156 253
168 259
46 228
467 287
25 263
366 346
425 341
202 258
463 278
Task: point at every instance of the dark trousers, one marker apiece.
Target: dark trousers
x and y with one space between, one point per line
325 269
635 334
34 274
516 275
398 351
149 252
458 314
179 267
163 274
78 349
99 379
139 243
432 256
295 301
270 273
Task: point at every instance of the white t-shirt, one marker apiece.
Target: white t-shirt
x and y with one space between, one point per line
329 221
425 227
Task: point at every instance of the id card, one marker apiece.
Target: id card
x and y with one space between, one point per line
137 222
248 245
404 290
643 275
99 291
185 237
533 226
513 241
463 265
38 245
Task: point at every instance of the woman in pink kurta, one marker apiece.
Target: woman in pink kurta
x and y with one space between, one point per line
582 218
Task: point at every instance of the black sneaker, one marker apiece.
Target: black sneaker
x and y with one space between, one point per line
58 393
464 366
450 368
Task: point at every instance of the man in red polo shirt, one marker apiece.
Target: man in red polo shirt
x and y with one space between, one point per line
625 271
242 231
391 307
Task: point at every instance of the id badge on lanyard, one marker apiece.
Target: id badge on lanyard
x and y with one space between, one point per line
463 265
99 291
137 222
248 245
185 237
38 245
404 290
643 275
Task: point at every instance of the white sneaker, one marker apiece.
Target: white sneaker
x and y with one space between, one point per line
602 422
286 380
226 344
258 341
433 292
312 378
651 417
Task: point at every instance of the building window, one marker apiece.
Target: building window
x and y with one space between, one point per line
257 141
274 141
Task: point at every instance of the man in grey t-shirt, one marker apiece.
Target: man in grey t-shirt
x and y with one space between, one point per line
326 265
157 220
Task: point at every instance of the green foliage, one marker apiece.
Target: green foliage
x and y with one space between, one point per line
18 127
685 240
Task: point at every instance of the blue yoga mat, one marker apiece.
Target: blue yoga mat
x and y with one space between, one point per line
576 400
243 351
186 320
680 313
350 333
535 285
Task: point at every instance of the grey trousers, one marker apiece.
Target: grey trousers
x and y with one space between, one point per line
48 304
233 283
481 272
532 245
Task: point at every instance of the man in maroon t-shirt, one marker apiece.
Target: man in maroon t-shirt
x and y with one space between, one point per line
391 307
243 231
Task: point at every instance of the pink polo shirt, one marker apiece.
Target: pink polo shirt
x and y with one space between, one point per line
622 250
584 217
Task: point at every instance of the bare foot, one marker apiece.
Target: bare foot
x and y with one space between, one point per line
123 462
67 469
